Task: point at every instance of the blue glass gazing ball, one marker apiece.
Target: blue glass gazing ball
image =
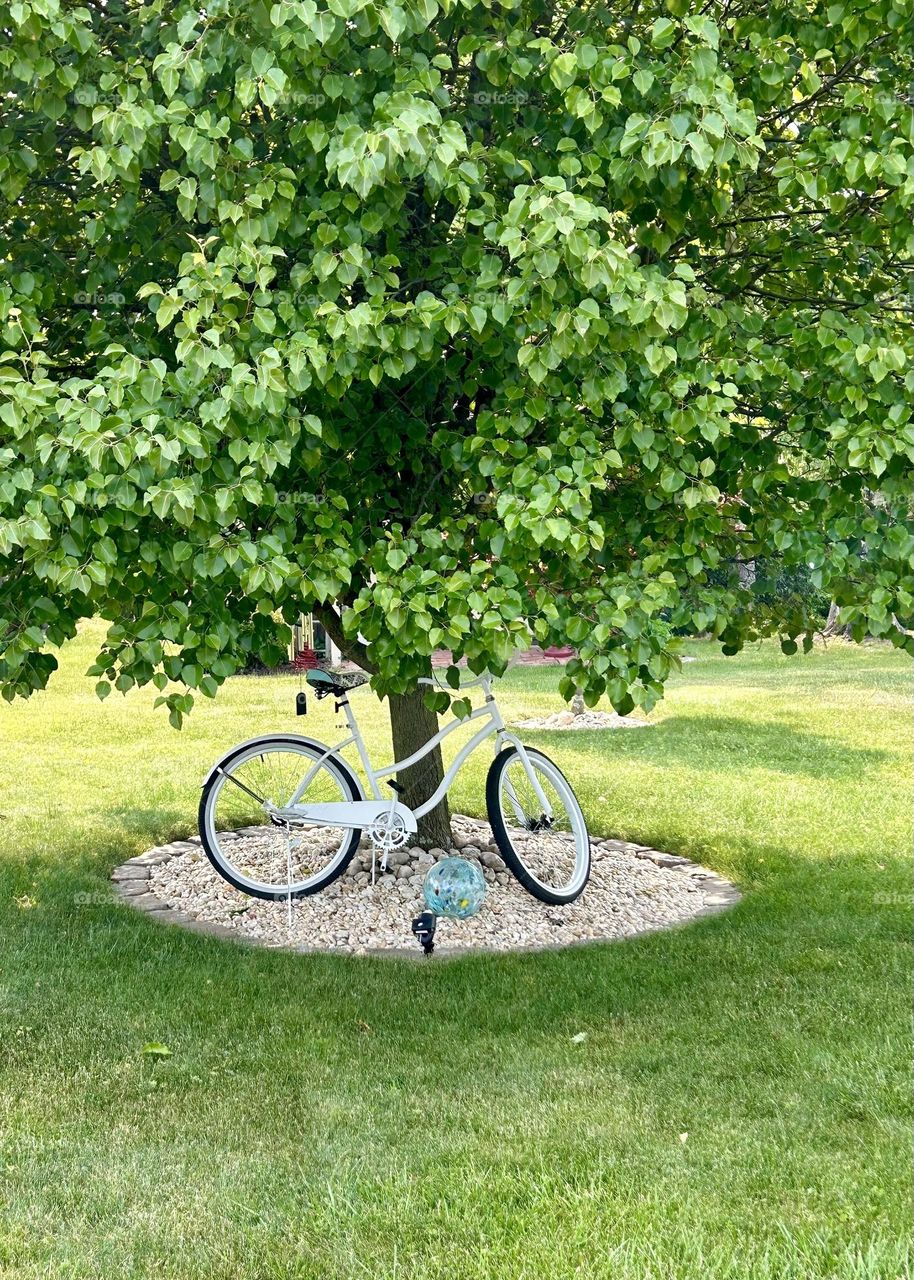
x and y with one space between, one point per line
454 887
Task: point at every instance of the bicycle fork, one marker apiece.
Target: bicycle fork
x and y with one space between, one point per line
546 808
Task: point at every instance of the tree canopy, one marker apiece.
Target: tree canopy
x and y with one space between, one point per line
457 322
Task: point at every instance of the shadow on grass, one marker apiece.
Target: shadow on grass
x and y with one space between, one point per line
161 824
111 949
726 742
671 1012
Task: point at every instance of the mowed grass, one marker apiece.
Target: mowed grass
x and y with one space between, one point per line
740 1106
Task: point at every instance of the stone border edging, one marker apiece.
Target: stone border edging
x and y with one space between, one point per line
131 884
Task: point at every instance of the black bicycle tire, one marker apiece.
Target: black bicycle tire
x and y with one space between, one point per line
503 840
278 895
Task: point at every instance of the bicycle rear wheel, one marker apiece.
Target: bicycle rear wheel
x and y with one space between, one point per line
258 853
547 849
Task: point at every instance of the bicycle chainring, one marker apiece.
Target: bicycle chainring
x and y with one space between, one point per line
388 832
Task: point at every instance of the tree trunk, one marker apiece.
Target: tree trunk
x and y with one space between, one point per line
578 706
411 726
833 625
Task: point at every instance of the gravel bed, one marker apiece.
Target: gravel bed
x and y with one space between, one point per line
632 890
566 720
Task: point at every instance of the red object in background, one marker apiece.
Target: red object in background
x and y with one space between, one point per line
305 660
560 653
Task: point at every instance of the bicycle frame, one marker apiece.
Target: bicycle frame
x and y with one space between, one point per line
342 813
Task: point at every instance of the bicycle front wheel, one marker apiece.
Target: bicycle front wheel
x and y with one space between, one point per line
547 847
265 854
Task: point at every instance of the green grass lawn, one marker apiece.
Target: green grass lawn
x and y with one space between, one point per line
739 1108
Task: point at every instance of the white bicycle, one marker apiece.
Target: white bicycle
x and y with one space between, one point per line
281 816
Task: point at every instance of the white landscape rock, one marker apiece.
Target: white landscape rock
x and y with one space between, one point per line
632 889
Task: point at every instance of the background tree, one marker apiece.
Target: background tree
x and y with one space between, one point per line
453 323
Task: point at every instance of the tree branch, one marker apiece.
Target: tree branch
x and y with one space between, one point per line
353 650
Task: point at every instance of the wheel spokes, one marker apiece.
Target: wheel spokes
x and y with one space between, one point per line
238 783
544 840
254 841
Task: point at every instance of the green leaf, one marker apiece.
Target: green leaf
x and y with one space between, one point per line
166 311
563 70
393 20
701 150
396 557
323 27
663 33
155 1049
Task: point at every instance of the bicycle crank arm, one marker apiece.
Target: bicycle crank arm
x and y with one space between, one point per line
352 814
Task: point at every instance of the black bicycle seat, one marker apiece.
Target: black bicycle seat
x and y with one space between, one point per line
335 682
